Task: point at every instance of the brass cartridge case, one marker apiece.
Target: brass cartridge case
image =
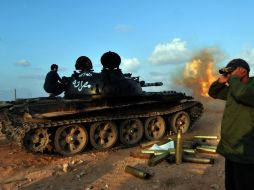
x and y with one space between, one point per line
156 152
185 150
137 172
209 146
193 159
157 159
179 148
202 149
148 151
206 137
189 150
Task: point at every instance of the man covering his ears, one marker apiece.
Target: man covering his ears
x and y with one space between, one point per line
236 87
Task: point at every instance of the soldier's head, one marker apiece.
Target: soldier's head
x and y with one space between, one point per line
233 64
54 67
83 63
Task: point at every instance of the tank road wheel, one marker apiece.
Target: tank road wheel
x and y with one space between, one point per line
70 139
36 140
180 119
103 134
155 128
131 131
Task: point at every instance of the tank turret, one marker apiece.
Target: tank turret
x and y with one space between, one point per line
111 82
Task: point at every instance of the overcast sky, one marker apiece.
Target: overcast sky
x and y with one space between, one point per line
155 39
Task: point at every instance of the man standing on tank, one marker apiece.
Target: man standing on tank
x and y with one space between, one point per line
237 126
53 84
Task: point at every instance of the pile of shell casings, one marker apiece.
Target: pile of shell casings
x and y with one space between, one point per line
184 151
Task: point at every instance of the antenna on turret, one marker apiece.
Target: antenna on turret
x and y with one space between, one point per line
15 94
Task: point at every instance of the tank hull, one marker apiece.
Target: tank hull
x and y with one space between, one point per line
37 124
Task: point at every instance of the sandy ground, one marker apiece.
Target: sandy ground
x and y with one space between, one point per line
105 170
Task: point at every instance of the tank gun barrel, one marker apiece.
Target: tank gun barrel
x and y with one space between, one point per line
151 84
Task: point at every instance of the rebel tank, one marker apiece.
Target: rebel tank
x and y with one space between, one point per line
98 111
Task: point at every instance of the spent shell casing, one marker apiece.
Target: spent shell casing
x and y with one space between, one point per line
189 150
157 159
160 152
147 151
206 137
209 146
155 151
202 149
179 148
193 159
137 172
185 150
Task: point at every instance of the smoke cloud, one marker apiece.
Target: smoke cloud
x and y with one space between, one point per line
199 73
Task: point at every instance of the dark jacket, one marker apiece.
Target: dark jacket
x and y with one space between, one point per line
51 82
237 127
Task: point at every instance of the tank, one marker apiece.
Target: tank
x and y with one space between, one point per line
98 111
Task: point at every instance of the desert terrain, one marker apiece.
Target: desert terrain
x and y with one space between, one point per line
105 170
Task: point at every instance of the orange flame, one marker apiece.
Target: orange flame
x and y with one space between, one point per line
210 78
199 75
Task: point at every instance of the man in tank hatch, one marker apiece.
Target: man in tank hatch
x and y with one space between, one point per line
53 84
237 126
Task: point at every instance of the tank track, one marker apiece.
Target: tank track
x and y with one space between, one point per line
15 128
